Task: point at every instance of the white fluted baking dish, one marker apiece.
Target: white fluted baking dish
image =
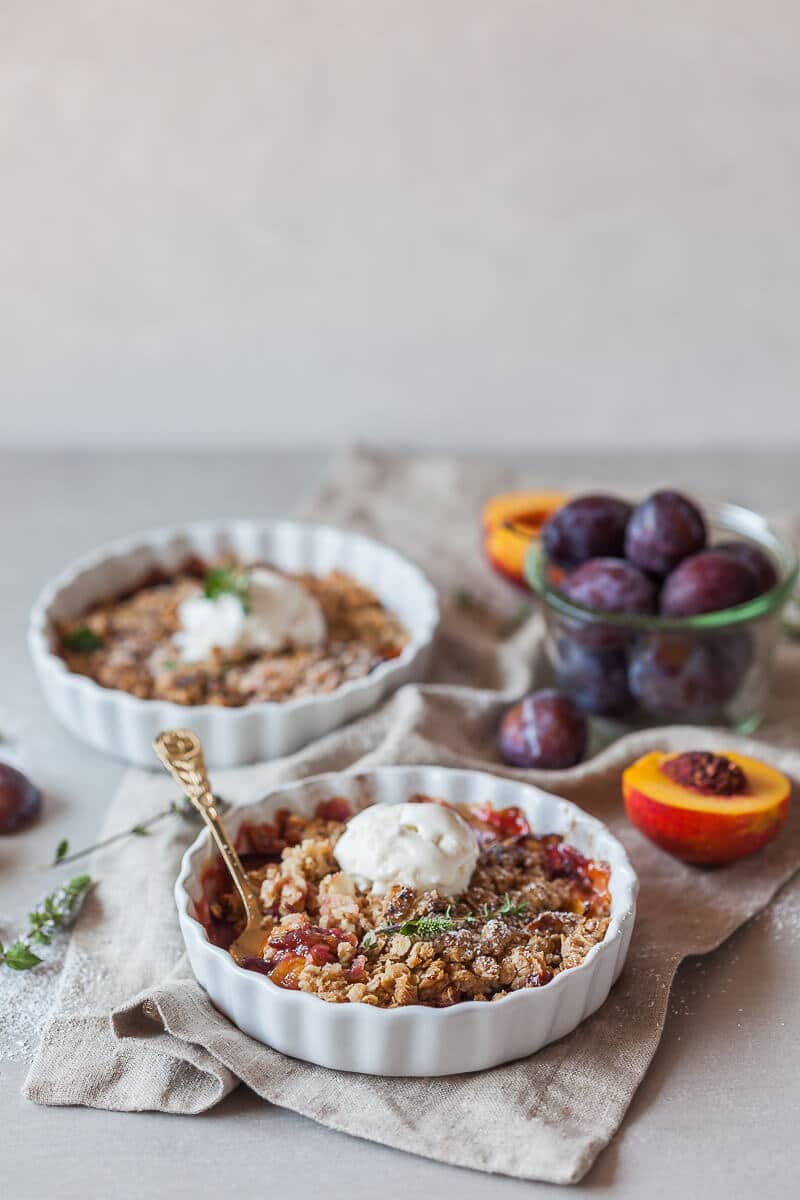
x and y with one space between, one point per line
415 1040
125 725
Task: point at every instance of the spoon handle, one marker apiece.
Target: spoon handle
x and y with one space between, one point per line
182 755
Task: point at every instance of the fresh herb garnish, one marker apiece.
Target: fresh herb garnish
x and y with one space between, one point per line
178 808
435 924
83 640
507 909
226 580
19 956
426 928
56 911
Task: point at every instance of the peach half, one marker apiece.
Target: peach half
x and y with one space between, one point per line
510 522
706 808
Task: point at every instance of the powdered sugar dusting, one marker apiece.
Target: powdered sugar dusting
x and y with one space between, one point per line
26 998
782 917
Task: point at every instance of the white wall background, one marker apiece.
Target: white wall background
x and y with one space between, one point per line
435 222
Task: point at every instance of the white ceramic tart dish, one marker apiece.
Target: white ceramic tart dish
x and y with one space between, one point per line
125 725
415 1040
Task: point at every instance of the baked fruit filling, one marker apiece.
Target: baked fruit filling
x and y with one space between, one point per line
230 634
534 906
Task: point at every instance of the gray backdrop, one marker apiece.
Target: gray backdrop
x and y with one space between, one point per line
466 223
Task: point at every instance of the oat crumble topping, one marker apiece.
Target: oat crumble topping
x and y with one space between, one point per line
325 935
127 643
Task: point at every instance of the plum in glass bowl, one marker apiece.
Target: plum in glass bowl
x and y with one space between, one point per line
699 650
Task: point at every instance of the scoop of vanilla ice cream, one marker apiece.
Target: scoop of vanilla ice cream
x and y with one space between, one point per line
281 612
423 846
206 623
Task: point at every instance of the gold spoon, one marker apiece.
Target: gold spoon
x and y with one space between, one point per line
181 753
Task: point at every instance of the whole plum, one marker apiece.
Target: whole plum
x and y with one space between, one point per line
707 582
595 678
545 730
20 800
753 557
611 585
587 527
664 529
688 678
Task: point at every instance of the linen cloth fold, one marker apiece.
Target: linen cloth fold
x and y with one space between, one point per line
132 1030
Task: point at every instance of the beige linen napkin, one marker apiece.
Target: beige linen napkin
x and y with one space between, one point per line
132 1030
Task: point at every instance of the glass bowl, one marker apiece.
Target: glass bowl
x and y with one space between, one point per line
708 669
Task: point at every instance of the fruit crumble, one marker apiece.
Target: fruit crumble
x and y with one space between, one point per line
534 907
230 635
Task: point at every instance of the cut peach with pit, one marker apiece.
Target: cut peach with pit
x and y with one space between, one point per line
706 808
510 523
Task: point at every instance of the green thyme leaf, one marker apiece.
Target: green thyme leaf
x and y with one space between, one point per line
55 912
226 580
511 910
76 887
20 957
83 640
435 924
62 849
429 928
140 830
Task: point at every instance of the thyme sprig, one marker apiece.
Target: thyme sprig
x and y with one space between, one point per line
178 808
56 911
433 925
222 580
83 640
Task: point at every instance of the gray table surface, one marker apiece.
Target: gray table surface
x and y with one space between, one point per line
718 1108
